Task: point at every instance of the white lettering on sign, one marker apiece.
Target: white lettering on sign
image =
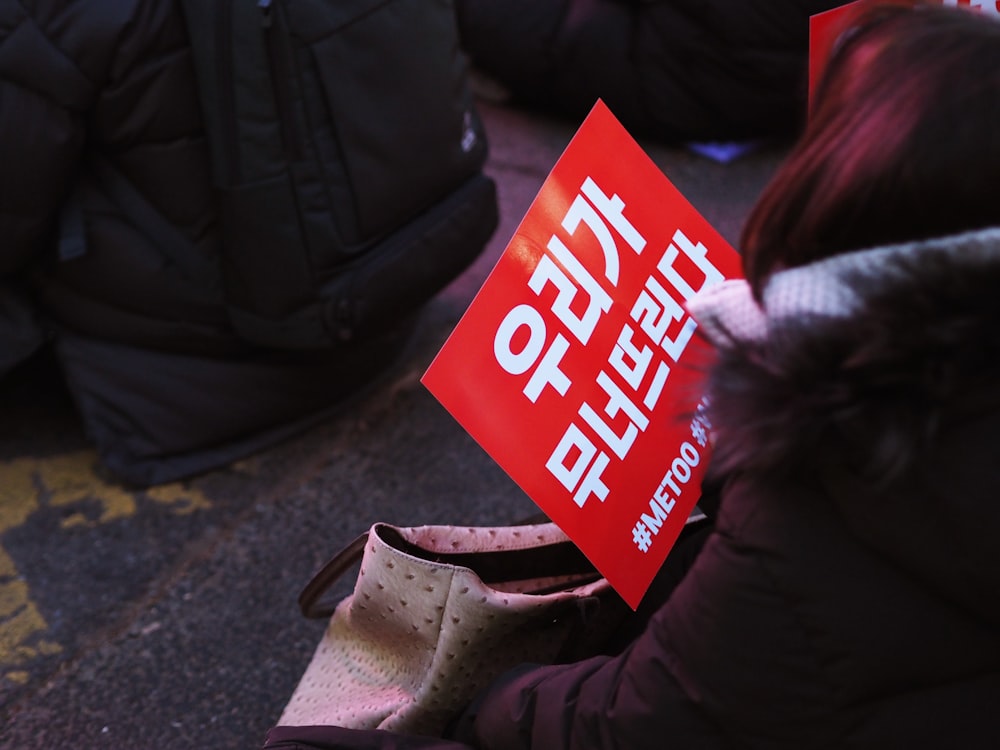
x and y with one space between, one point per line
698 254
583 477
548 372
548 272
594 213
641 359
617 402
518 363
655 310
637 371
564 271
662 503
642 371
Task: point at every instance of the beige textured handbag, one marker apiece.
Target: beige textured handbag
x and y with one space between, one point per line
438 612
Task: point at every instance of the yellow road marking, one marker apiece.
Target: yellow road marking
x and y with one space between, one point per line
22 627
70 482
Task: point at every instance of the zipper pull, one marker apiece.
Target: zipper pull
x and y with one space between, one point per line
267 18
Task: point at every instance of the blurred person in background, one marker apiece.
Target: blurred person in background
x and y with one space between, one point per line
675 70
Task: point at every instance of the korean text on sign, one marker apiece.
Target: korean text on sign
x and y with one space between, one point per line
577 366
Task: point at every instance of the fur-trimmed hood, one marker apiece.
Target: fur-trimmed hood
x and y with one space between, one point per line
876 373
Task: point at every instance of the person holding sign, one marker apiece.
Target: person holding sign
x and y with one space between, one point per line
847 594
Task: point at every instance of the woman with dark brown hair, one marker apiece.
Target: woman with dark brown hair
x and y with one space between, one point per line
847 596
901 145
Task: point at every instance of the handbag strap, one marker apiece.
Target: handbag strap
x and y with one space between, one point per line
556 559
310 599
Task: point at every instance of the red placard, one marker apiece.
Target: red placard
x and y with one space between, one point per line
576 366
824 30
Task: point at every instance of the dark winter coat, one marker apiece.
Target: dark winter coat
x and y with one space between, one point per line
673 69
112 78
847 597
164 385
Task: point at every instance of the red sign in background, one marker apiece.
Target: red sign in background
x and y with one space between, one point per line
577 368
825 28
824 31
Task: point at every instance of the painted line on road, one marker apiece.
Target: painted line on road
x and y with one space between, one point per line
70 482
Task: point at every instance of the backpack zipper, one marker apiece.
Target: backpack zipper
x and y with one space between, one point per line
282 71
231 140
265 11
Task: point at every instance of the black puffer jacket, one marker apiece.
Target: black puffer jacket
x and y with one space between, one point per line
847 598
112 79
164 386
673 69
94 95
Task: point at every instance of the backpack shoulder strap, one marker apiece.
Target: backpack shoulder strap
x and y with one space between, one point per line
165 235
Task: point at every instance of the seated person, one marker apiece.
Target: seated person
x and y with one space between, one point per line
675 70
846 596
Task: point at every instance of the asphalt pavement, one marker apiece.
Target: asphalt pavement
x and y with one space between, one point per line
167 617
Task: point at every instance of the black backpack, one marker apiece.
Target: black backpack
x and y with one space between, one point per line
348 157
